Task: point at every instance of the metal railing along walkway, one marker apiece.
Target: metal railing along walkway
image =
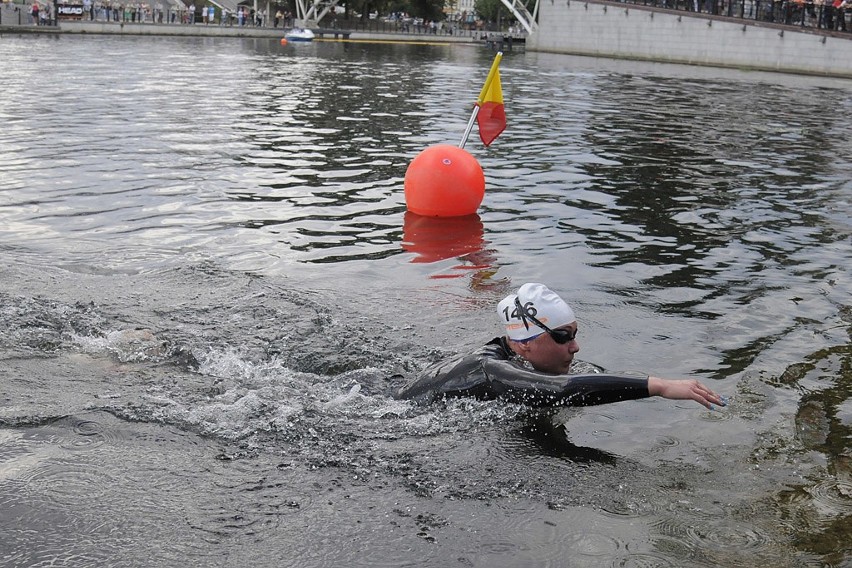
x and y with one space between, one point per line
820 15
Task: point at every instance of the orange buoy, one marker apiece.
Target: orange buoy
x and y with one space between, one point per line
444 181
283 41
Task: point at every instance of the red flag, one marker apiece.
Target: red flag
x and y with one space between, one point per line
492 115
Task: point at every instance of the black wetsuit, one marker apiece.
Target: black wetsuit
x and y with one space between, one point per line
495 371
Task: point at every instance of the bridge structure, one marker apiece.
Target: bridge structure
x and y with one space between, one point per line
528 20
310 12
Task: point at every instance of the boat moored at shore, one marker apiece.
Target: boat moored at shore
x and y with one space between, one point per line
299 34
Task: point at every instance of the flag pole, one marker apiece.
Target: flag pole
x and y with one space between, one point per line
484 90
469 125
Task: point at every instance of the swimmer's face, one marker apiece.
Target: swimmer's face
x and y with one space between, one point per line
547 355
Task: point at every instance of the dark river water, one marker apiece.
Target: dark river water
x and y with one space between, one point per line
210 289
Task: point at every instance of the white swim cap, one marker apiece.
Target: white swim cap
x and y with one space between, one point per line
540 302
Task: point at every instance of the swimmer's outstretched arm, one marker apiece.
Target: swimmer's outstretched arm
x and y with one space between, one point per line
684 389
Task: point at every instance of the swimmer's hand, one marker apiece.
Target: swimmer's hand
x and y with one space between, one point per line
685 389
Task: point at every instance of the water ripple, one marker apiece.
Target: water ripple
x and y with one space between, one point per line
833 497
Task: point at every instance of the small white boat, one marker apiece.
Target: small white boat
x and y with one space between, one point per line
299 34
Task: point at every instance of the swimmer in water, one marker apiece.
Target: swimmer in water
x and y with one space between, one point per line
531 363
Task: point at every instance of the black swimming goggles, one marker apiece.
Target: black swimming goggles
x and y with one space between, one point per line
560 336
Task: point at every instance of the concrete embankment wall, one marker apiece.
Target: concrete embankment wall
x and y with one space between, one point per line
609 29
88 27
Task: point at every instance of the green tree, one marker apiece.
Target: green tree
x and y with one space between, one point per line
488 10
427 9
